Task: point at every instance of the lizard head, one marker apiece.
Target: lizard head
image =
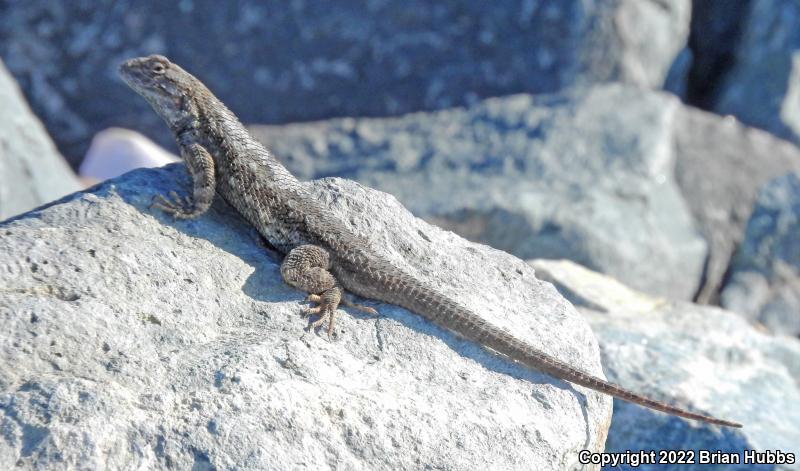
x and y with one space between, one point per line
163 84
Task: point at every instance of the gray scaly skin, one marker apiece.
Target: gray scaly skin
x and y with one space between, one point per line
323 257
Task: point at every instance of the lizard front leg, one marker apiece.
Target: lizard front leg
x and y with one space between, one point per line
307 268
201 168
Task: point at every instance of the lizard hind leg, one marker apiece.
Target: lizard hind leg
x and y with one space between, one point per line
306 268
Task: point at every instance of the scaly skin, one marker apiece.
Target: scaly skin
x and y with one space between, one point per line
323 257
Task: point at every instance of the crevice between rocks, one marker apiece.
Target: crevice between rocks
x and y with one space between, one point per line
715 32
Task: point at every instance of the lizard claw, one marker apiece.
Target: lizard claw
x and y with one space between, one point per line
311 311
328 310
328 316
181 208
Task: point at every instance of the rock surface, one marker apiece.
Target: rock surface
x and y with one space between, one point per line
586 176
709 358
302 60
763 87
720 167
132 341
32 172
765 276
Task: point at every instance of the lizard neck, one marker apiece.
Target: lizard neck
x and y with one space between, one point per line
247 175
234 150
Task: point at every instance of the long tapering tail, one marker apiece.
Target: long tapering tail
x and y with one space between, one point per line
534 358
408 292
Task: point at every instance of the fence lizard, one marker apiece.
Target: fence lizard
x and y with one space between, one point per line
323 257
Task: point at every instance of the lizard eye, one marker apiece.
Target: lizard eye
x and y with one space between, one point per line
158 68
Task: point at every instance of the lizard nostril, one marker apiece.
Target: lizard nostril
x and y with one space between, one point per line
128 66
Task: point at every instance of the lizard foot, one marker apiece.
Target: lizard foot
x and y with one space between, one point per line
315 298
327 306
181 208
328 302
327 316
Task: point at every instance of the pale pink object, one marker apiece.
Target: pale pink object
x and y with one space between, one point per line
115 151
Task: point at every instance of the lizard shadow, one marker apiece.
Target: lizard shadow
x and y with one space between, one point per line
481 355
221 226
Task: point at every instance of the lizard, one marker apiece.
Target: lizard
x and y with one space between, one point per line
322 256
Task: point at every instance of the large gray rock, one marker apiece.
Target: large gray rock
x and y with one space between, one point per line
132 341
711 359
763 87
765 276
32 171
585 176
302 60
720 166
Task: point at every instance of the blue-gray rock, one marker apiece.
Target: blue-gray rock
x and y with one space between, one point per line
707 358
677 81
133 341
720 167
32 172
275 62
765 275
586 176
763 87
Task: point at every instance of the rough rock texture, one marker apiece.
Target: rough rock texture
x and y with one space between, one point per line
586 176
31 170
763 87
301 60
711 358
765 275
720 166
132 341
115 151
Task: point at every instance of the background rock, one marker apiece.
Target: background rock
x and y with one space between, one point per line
31 170
132 341
709 358
720 166
763 87
765 276
585 176
302 60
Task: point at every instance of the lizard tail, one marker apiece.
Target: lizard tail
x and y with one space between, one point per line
539 360
447 313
